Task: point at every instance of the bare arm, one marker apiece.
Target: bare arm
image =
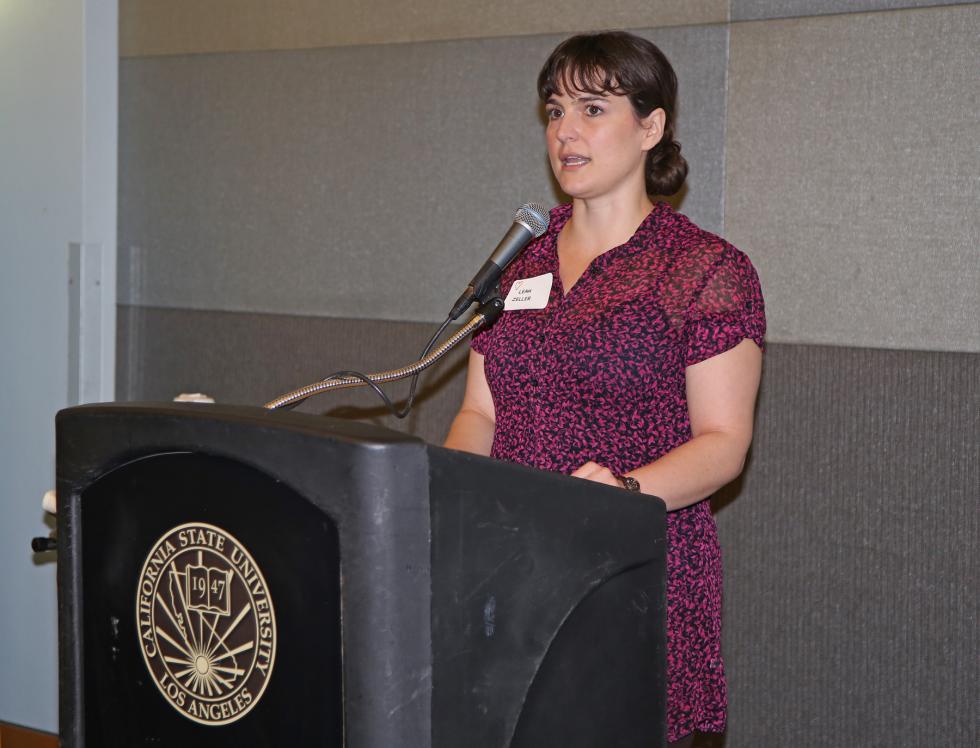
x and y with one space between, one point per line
721 394
472 429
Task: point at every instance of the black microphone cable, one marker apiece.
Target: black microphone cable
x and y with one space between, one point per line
395 411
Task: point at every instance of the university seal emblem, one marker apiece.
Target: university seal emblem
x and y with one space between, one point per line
206 623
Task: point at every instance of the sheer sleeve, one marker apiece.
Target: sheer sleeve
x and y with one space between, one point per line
716 299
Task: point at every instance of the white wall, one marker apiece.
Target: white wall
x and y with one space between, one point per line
58 114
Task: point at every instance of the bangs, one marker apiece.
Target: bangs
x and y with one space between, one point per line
582 67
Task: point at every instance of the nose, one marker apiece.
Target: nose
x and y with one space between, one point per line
565 130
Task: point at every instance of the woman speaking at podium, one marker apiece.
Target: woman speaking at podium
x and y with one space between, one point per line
632 357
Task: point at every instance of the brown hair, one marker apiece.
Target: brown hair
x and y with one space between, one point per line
619 63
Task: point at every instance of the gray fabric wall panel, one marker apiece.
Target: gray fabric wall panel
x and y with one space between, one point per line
149 27
249 359
752 10
850 543
851 552
699 56
851 175
355 182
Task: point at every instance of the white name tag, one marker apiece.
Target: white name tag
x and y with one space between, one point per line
529 293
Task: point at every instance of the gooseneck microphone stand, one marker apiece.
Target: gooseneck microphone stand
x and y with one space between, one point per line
530 222
486 315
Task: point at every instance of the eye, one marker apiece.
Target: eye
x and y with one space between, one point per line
593 110
553 113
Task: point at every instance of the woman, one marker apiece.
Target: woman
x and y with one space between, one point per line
642 369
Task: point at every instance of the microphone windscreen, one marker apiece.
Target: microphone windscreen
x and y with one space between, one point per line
534 217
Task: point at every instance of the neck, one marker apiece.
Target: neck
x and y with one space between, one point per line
601 224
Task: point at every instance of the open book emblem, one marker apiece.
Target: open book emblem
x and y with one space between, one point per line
208 589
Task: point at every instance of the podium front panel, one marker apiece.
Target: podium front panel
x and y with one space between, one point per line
229 582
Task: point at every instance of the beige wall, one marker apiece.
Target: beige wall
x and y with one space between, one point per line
154 27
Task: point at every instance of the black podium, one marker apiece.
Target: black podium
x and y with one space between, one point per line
232 576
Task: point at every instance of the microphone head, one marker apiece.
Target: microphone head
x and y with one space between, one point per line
533 217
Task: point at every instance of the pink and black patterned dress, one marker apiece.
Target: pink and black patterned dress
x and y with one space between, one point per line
598 374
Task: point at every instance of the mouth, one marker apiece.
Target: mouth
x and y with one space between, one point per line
573 159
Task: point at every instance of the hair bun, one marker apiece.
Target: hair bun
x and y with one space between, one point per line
666 168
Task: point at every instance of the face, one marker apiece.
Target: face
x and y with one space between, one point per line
596 144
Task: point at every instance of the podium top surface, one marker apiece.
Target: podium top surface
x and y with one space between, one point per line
245 415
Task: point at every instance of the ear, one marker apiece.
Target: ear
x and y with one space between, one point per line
653 128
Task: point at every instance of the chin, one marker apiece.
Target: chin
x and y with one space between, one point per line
580 192
575 188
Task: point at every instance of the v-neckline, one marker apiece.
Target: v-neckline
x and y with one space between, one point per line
589 268
564 290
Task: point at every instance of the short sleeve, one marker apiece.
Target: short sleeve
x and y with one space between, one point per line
726 309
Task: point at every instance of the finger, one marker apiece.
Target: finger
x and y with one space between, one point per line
585 470
608 477
604 475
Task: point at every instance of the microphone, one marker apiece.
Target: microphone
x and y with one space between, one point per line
530 222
